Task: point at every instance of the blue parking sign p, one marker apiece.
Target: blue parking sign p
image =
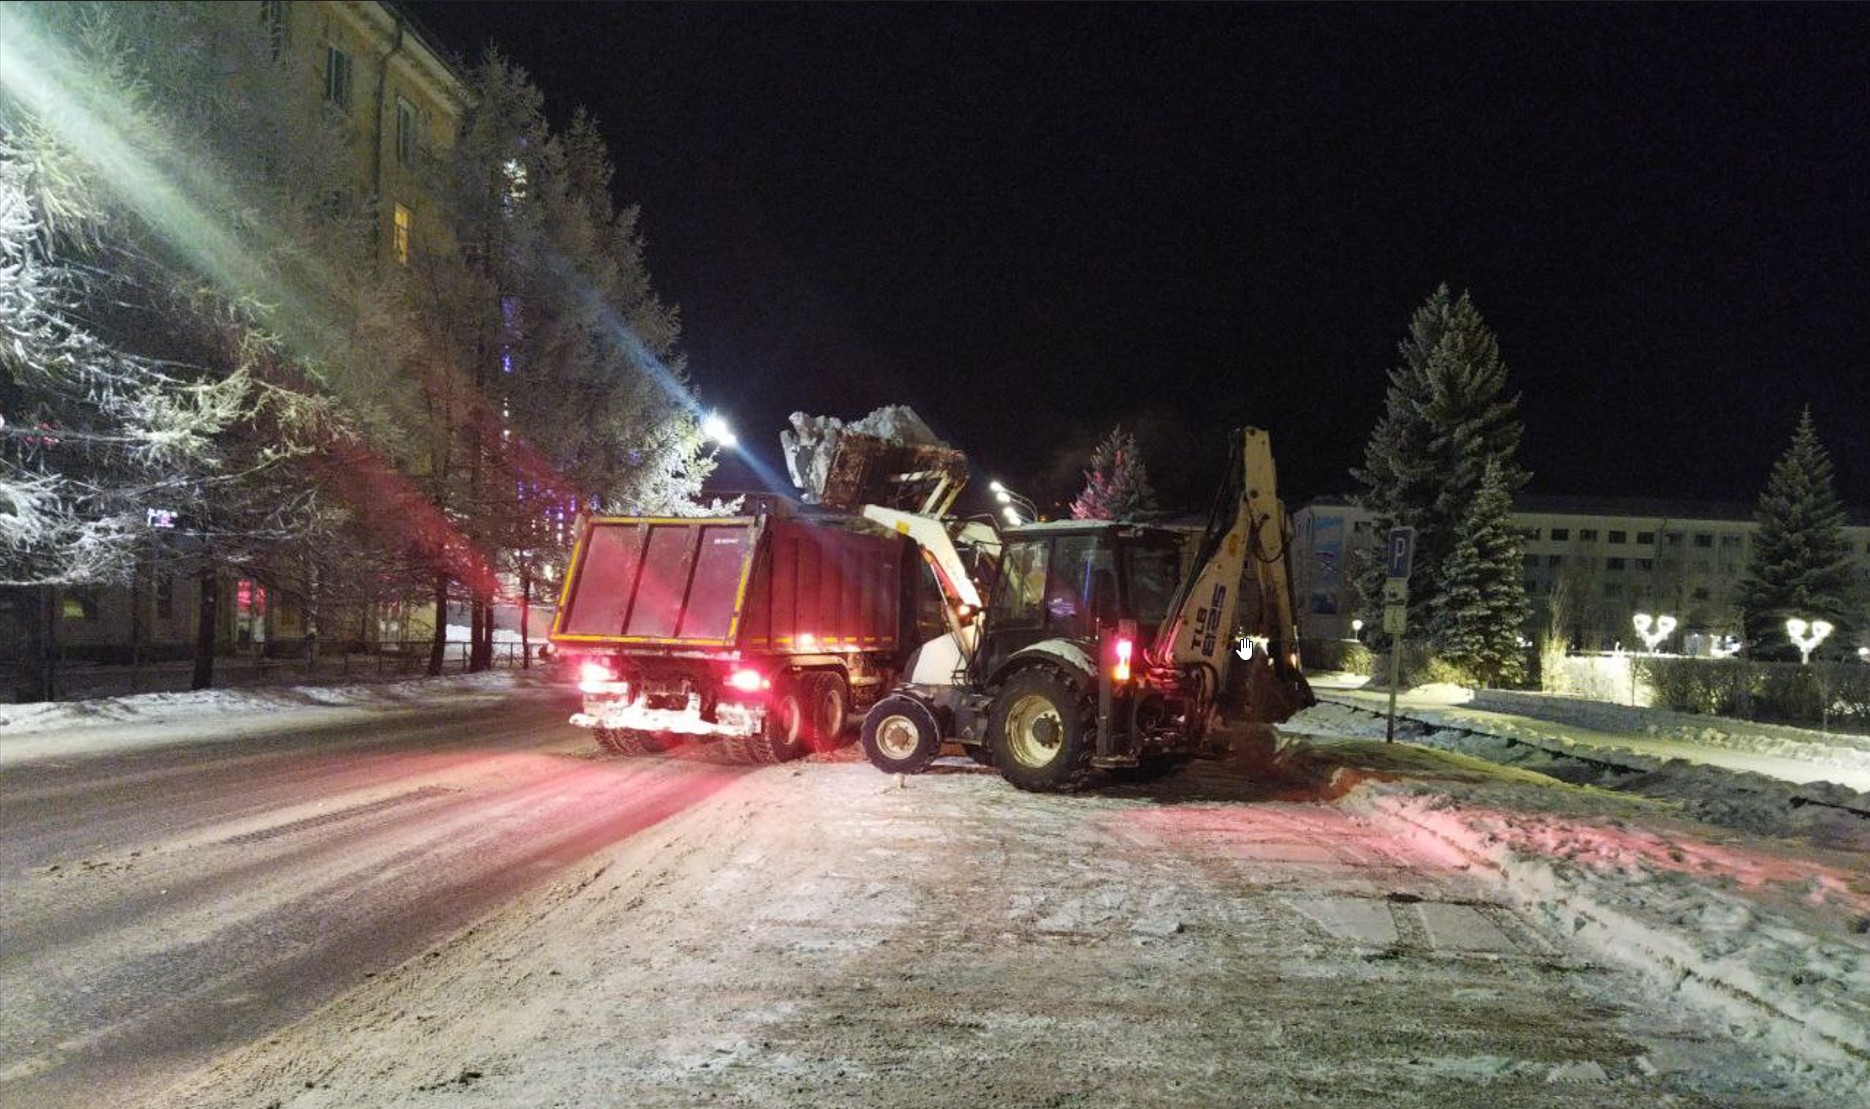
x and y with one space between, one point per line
1401 549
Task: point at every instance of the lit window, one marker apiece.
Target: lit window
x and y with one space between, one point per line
399 242
405 132
337 77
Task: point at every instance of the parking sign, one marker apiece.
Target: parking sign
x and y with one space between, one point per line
1401 550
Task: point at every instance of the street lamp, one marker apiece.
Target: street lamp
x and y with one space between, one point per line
1796 630
1357 629
1011 503
715 427
1653 630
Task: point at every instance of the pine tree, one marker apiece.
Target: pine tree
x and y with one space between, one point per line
1447 417
1476 616
1801 564
1116 487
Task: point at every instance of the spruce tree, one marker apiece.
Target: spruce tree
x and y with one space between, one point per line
1801 564
1476 616
1447 418
1116 487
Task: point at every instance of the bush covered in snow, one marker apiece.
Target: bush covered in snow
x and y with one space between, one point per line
1837 694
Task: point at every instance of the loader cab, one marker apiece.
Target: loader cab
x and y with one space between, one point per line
1064 580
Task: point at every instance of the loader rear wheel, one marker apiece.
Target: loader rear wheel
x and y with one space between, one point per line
783 737
900 735
827 707
1040 731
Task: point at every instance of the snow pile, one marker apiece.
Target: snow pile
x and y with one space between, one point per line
1641 738
813 441
1772 936
1777 947
52 728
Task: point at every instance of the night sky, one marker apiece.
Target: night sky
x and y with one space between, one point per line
1033 222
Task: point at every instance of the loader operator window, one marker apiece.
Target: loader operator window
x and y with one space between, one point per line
1154 574
1080 589
1016 603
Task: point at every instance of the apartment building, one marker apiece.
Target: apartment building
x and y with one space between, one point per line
1596 561
394 102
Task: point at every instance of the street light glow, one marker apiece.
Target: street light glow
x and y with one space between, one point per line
715 427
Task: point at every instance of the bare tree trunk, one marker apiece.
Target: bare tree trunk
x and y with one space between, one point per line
206 625
479 622
439 644
525 616
36 609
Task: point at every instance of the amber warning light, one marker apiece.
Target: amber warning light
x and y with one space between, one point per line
1125 649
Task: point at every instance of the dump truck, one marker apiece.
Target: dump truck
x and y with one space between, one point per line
761 632
1098 646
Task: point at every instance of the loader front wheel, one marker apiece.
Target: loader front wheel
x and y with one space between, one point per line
900 735
1040 732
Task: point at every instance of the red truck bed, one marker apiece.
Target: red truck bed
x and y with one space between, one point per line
766 584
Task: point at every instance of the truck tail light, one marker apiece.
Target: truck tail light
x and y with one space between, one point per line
594 675
748 680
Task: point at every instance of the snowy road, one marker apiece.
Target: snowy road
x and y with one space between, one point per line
464 906
162 904
816 934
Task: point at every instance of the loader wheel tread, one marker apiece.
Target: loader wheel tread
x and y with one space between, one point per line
1037 700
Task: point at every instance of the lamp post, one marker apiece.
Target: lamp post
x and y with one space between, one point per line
716 429
1806 637
1012 503
1357 630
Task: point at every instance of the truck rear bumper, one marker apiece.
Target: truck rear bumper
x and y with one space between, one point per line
729 720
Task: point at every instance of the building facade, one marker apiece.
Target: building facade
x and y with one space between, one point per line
1590 565
394 102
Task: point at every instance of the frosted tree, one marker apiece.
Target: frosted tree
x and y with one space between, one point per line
1447 417
572 396
1801 562
1476 615
1116 487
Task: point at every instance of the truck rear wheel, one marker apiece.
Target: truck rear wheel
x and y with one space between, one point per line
783 737
1040 731
900 735
827 708
631 741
